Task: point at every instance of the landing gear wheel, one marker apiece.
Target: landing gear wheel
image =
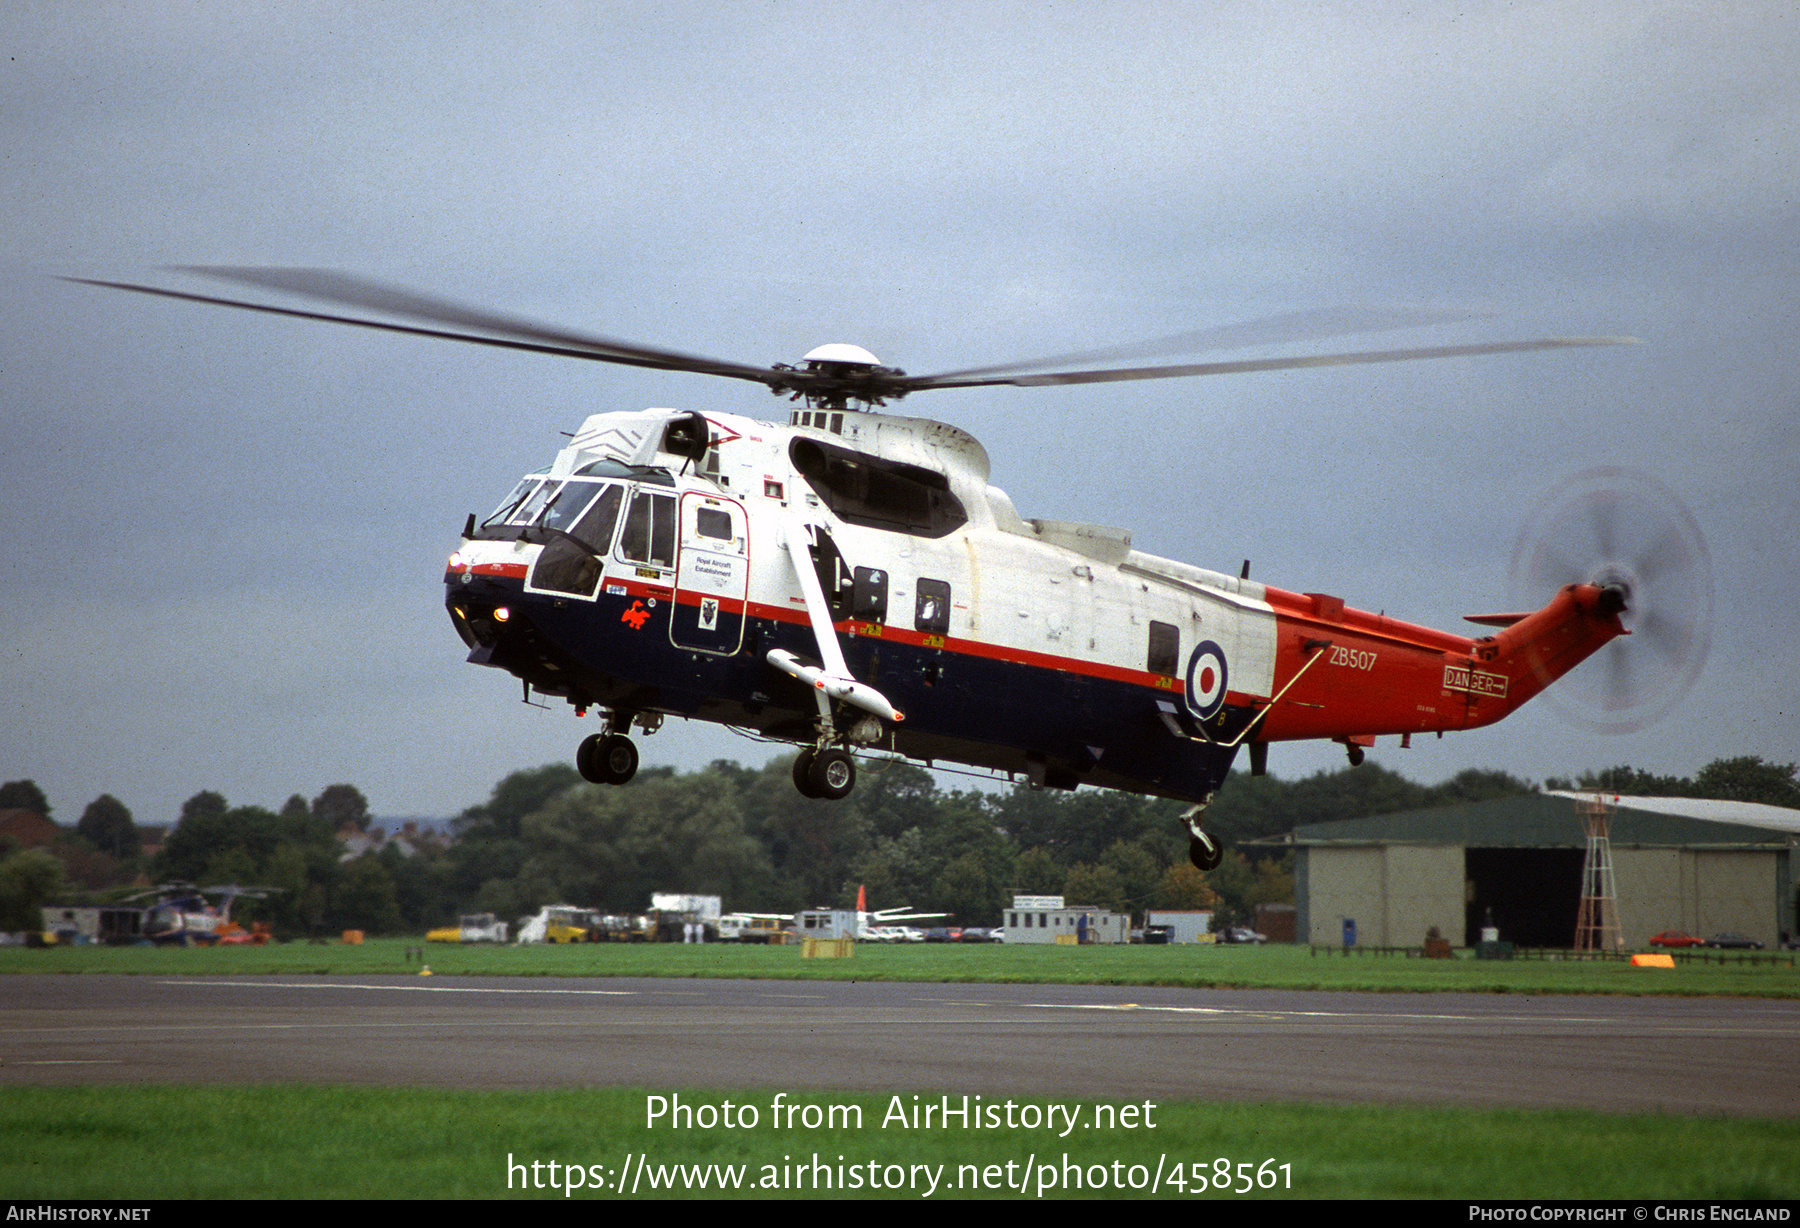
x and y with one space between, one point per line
618 758
1205 852
832 774
803 772
587 757
607 758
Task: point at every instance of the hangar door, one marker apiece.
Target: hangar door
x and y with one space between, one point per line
1534 894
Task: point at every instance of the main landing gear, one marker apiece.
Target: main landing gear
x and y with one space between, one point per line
607 758
1204 849
611 758
828 774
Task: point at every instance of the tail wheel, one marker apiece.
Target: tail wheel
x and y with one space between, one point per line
1205 851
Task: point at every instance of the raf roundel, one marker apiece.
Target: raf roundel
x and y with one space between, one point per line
1206 680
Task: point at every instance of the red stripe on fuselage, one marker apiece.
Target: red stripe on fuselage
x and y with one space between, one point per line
507 571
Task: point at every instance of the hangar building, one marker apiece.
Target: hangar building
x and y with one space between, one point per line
1679 863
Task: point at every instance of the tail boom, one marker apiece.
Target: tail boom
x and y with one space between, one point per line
1349 675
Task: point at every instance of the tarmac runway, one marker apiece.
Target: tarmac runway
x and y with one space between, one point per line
1678 1055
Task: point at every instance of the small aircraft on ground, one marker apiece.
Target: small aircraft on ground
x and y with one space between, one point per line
862 925
851 582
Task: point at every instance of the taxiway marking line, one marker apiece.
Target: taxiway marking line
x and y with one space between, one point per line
1774 1028
599 993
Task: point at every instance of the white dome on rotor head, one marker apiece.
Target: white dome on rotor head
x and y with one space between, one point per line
838 351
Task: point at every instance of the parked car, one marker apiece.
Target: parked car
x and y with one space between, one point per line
1242 934
1734 942
1675 938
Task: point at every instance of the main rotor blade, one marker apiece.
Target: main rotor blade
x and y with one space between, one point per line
1284 329
513 333
921 383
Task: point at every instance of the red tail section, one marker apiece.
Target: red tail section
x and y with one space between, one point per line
1347 674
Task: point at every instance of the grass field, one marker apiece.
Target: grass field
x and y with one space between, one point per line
1270 967
287 1142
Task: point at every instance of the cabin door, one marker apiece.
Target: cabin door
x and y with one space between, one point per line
712 576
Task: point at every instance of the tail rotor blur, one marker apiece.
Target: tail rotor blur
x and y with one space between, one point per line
1621 529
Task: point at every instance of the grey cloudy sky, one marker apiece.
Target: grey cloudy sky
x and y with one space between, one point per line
227 532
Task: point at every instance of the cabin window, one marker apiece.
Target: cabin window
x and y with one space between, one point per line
649 533
836 580
713 522
1165 649
868 599
931 607
877 493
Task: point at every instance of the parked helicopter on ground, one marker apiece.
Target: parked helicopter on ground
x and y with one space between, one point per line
850 581
179 914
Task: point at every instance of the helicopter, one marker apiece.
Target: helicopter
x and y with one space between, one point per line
849 581
180 914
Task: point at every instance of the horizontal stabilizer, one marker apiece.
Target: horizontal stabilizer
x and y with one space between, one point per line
1495 620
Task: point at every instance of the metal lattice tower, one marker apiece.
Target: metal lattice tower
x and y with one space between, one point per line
1597 923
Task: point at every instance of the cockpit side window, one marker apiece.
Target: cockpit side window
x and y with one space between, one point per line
596 528
649 533
566 505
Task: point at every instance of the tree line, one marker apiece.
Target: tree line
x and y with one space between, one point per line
545 836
